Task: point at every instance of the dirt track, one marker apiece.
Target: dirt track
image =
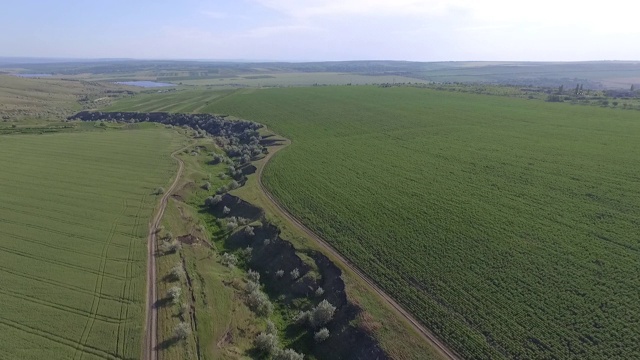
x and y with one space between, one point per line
443 349
150 351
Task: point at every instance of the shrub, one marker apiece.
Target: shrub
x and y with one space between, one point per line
212 201
321 314
321 335
319 291
271 328
174 294
247 252
302 317
158 191
233 185
226 210
177 272
181 331
253 276
222 190
249 231
229 260
170 247
267 343
252 286
207 186
259 303
295 273
183 308
231 226
288 354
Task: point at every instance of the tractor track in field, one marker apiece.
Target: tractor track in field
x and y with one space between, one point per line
150 350
425 333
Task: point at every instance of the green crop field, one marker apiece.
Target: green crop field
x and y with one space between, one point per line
74 213
509 227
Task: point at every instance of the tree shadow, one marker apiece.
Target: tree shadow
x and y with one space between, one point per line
167 343
162 302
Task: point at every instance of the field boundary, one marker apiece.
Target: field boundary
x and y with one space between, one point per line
425 333
150 350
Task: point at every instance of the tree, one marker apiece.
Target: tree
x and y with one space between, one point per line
259 303
319 291
233 185
212 201
249 231
321 335
158 191
253 275
177 272
633 88
174 294
295 273
229 260
267 343
181 331
288 354
226 210
321 314
271 328
560 89
207 186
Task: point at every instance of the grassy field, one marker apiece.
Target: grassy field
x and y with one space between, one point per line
508 226
277 79
37 100
183 101
74 213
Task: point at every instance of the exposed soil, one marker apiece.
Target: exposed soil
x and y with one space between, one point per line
188 239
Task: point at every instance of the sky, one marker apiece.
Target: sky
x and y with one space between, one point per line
322 30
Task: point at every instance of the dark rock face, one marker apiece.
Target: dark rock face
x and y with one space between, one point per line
215 125
271 253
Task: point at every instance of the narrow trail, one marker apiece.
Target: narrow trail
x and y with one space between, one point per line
426 334
150 351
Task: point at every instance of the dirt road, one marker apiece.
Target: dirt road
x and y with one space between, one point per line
442 348
151 318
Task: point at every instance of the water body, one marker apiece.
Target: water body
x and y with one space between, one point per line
145 84
32 75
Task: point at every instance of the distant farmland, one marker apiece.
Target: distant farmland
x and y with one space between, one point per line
509 227
74 211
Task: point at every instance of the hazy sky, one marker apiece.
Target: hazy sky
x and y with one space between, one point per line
421 30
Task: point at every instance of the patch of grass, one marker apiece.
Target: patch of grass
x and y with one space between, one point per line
74 209
507 226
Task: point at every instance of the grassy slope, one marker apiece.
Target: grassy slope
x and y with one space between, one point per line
74 210
507 226
45 99
226 327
